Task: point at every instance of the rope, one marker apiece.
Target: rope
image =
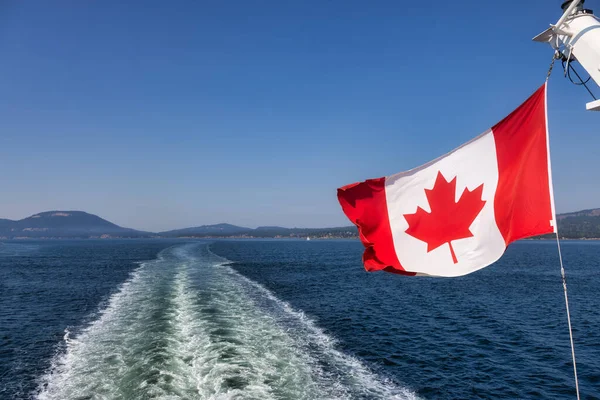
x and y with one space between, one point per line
564 282
554 58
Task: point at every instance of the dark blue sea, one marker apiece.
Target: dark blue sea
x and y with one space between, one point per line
278 319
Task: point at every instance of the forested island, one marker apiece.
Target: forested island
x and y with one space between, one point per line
583 224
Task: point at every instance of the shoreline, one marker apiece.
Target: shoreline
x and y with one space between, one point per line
304 238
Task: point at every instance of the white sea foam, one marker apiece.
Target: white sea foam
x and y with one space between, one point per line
187 326
350 376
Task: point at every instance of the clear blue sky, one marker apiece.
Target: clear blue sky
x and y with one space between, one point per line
160 115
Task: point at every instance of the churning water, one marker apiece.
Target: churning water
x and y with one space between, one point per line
187 325
286 320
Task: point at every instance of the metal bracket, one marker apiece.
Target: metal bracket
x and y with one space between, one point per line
593 105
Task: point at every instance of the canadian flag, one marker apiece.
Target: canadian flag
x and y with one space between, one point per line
458 213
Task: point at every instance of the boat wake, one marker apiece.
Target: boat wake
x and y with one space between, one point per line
188 326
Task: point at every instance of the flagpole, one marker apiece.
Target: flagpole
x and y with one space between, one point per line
564 282
562 268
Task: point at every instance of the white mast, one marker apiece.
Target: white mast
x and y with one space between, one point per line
576 37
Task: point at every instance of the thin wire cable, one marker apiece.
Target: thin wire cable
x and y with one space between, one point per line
581 80
562 268
581 83
564 282
568 67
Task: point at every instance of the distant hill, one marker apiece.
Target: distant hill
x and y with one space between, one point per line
65 224
79 224
268 228
207 230
574 225
594 212
227 230
336 232
579 224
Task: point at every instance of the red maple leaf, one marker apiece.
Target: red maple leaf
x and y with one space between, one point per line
448 220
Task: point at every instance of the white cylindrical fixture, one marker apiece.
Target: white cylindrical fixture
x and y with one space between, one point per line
584 40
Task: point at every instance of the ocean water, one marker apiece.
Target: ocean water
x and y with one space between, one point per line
278 319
